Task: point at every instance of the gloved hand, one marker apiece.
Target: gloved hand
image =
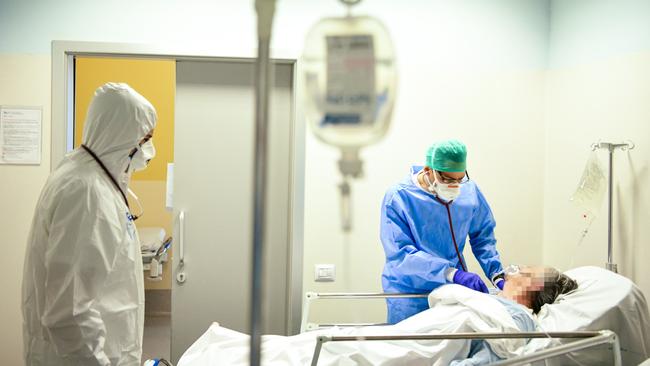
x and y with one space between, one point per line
501 283
470 280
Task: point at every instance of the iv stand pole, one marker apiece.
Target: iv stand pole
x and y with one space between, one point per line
610 207
263 70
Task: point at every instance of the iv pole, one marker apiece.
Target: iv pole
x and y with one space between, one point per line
610 147
265 10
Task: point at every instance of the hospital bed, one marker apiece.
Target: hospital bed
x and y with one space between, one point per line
606 309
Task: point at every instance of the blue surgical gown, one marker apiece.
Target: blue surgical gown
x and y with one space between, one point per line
418 244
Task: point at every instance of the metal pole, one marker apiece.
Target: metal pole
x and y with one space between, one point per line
616 349
311 296
442 336
319 346
604 338
364 295
261 141
610 265
265 10
595 338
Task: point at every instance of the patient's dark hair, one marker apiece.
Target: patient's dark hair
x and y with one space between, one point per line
555 284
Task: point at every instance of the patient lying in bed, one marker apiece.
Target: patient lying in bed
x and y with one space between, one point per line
525 292
454 309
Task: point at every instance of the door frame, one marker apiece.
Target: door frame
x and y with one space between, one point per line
62 119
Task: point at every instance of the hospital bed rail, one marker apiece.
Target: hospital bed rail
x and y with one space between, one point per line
590 339
311 296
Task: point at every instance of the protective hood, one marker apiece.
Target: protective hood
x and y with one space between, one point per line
118 118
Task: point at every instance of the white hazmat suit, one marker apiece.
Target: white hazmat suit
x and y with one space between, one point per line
83 289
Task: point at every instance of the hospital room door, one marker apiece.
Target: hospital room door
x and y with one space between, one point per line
213 192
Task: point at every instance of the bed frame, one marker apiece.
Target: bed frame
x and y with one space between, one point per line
586 339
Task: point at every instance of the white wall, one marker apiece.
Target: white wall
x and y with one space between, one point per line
24 80
598 88
469 69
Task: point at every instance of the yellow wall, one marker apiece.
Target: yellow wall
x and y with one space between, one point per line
156 80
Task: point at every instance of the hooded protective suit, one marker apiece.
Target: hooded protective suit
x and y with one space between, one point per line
83 289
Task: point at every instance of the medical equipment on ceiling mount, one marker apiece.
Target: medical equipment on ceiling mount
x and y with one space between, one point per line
590 192
350 81
370 43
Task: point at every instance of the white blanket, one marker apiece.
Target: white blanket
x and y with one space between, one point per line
454 309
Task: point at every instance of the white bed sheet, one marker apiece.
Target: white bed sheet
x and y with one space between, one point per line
457 309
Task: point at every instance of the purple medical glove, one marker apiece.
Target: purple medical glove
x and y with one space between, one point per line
470 280
500 284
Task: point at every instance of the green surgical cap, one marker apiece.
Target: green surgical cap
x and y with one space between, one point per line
447 156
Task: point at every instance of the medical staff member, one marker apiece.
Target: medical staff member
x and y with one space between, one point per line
425 220
83 289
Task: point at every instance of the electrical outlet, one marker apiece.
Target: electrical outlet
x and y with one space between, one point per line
324 273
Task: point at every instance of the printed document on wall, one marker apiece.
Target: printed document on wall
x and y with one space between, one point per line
20 135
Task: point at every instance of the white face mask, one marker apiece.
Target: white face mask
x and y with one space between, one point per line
442 190
142 156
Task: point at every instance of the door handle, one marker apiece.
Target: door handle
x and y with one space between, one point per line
181 276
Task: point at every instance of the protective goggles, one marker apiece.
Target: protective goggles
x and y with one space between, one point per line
446 180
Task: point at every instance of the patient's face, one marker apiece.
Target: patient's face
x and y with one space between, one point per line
520 286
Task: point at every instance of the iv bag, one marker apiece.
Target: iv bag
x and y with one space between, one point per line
592 187
349 80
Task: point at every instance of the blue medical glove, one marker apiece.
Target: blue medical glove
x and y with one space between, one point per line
470 280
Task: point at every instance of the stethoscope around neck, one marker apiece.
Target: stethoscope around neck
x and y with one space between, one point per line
451 228
451 225
131 216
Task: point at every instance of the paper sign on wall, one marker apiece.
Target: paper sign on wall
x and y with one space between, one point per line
20 135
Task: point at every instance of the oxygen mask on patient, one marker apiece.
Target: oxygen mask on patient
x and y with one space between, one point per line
523 281
511 270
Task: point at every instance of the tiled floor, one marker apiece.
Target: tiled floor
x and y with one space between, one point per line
157 337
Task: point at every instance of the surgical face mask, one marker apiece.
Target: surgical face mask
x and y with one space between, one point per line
443 190
142 156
